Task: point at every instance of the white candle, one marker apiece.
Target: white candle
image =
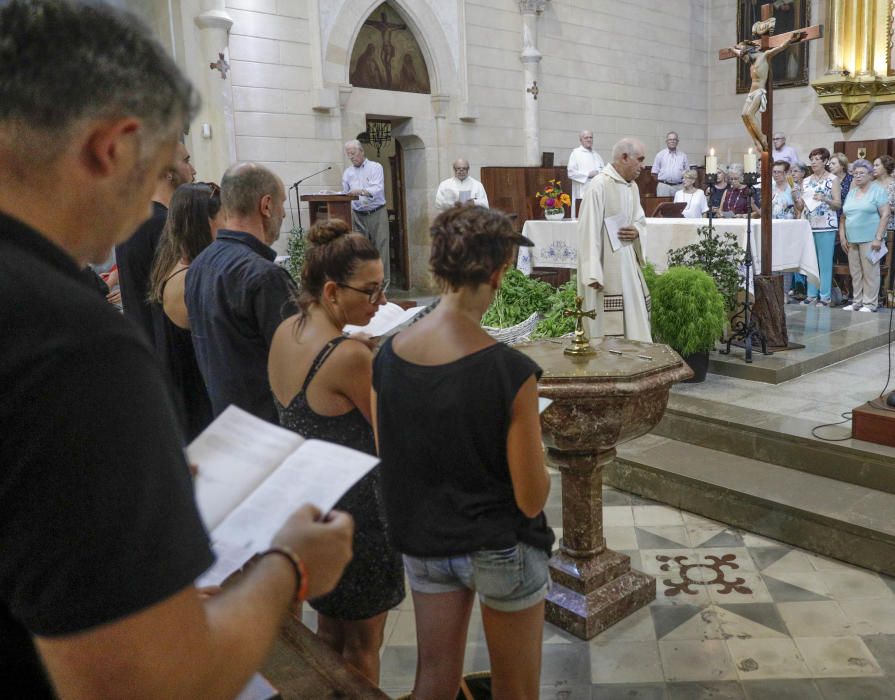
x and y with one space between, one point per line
711 163
749 162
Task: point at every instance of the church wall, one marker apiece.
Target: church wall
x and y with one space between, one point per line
796 110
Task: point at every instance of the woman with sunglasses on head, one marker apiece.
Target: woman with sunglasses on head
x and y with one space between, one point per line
321 384
191 226
465 483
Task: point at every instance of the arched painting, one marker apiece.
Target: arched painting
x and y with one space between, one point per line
386 55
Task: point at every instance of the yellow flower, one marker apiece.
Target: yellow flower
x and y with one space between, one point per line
543 201
565 199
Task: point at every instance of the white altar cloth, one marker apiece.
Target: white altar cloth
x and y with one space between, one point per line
556 243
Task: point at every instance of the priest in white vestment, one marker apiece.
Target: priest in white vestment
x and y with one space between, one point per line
610 280
584 165
460 188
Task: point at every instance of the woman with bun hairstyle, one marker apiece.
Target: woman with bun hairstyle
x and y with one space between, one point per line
321 384
463 475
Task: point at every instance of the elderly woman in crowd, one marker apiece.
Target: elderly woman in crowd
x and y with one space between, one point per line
735 201
720 189
782 204
820 204
862 228
883 168
697 205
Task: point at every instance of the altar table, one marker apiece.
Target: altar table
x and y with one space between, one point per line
556 243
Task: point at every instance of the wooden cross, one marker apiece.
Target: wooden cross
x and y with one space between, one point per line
768 42
533 89
581 343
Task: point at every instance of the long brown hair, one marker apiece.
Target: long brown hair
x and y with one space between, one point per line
187 232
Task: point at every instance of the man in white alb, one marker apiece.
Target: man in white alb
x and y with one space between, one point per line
669 166
584 164
610 224
460 188
368 215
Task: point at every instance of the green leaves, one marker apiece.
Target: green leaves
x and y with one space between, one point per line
720 255
295 249
555 324
688 311
518 298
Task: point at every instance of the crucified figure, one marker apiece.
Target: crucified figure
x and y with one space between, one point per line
759 67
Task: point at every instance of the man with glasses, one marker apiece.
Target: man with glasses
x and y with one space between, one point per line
669 166
460 189
237 296
784 152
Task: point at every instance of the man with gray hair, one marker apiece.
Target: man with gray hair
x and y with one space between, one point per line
365 179
237 296
669 166
610 224
584 165
782 151
100 533
460 188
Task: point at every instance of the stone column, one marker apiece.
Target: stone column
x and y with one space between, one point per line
531 58
214 136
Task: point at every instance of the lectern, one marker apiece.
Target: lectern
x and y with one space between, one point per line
329 206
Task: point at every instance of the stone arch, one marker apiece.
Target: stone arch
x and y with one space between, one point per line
424 25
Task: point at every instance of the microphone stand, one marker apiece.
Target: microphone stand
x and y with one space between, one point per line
295 187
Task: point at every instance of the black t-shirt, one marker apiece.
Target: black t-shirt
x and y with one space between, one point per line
97 515
443 444
134 259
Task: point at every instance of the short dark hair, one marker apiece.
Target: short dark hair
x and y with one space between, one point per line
243 186
469 244
822 152
888 162
782 163
69 60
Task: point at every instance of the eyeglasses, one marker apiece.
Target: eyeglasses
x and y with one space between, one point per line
374 294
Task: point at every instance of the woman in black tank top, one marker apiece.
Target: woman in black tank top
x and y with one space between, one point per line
321 385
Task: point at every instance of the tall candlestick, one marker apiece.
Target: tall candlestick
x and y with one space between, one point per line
750 162
711 162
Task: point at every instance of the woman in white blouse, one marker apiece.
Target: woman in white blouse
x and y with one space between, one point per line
697 205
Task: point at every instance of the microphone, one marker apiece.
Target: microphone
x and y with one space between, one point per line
308 177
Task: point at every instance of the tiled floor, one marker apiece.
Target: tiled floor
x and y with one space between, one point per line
736 616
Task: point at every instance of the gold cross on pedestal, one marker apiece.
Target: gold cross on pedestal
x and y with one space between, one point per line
581 342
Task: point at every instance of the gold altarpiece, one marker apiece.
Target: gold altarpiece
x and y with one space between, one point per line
860 62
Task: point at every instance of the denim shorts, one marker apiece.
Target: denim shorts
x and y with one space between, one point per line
506 579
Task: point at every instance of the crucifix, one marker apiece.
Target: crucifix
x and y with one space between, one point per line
580 346
534 90
757 54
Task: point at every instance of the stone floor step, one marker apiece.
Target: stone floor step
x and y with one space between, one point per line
846 521
782 440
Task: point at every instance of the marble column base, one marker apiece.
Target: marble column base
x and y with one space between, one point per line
588 595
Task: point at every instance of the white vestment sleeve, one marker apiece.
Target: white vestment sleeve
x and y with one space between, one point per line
481 197
575 169
445 197
590 237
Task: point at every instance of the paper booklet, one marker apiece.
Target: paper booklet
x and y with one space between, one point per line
388 317
253 475
875 256
811 204
613 224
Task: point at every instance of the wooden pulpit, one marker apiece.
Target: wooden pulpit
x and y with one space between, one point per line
329 206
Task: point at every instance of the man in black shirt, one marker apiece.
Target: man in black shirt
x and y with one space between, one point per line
237 296
100 537
134 256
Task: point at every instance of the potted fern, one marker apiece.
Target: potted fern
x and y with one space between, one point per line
688 314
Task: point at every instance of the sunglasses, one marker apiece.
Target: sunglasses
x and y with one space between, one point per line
373 295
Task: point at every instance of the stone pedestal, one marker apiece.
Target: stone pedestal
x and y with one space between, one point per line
600 401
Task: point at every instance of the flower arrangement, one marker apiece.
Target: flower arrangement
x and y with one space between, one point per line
552 199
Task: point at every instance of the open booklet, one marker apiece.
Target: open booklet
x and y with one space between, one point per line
253 475
387 318
875 256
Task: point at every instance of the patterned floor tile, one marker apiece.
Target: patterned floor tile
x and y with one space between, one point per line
855 584
705 624
882 646
706 660
625 662
628 691
703 691
793 561
726 538
800 689
822 618
661 537
740 587
613 497
653 560
751 621
837 657
783 592
762 659
656 515
666 619
854 688
615 516
569 663
564 691
636 627
617 538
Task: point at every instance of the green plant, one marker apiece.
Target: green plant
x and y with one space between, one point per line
555 323
295 249
720 255
649 275
518 298
688 310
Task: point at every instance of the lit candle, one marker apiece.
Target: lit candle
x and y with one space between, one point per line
711 163
749 162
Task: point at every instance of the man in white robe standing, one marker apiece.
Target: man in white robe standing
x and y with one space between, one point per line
610 280
584 165
460 188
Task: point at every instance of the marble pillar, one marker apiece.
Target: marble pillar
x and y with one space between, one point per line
599 401
531 59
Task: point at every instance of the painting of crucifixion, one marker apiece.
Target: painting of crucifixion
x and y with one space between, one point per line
790 68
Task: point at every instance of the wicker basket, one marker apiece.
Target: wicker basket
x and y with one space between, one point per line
514 334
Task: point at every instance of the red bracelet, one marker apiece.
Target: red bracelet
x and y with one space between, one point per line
301 573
